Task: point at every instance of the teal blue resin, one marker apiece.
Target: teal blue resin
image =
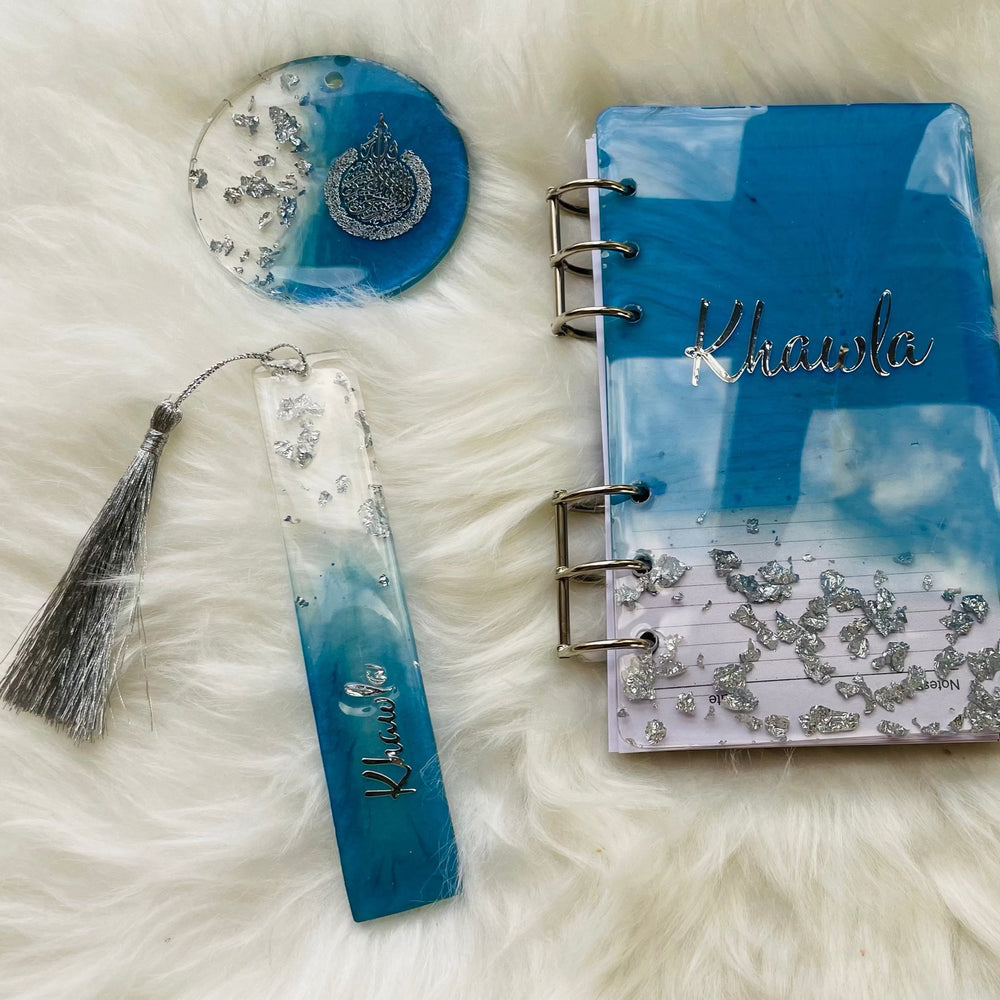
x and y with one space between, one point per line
394 831
814 211
337 101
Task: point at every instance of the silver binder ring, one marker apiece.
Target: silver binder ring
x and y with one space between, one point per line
564 325
561 259
557 194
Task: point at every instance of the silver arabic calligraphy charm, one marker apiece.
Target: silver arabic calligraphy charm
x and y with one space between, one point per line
375 192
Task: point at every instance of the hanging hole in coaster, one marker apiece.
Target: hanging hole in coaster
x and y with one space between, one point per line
629 184
334 81
652 638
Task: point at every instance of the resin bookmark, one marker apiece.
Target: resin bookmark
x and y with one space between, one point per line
394 832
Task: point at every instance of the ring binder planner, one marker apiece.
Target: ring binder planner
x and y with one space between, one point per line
816 558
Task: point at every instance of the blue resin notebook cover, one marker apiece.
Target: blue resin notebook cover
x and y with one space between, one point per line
811 394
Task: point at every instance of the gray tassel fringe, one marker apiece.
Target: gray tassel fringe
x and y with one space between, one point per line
67 662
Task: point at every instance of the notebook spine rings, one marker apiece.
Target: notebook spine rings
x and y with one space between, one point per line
590 500
566 320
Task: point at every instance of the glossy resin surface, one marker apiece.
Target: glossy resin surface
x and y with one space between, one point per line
329 177
813 381
394 832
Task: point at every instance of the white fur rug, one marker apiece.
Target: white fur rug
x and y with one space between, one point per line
194 858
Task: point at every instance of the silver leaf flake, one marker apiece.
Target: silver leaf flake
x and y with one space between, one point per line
809 643
304 167
957 723
904 559
301 602
237 269
197 177
984 664
686 704
383 580
817 670
656 731
324 498
752 653
286 127
266 255
889 728
777 572
787 630
343 484
848 599
947 661
766 637
731 683
858 687
959 622
301 451
880 579
927 582
664 571
744 615
259 282
976 605
677 598
366 431
951 594
831 582
265 220
224 246
858 647
700 519
627 597
639 678
894 657
257 186
265 160
726 562
373 517
289 81
753 526
777 727
815 618
931 729
245 256
287 206
233 195
983 709
251 122
750 721
825 721
700 660
807 557
297 407
756 591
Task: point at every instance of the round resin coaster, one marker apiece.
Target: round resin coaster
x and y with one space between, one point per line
328 177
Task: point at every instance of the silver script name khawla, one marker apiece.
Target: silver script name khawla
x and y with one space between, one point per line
795 355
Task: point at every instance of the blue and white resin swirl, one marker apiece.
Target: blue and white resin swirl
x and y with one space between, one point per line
394 831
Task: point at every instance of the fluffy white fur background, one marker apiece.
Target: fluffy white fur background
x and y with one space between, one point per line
194 858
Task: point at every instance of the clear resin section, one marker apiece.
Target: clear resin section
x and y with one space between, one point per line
812 396
394 831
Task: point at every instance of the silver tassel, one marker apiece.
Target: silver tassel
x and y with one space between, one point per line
67 663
